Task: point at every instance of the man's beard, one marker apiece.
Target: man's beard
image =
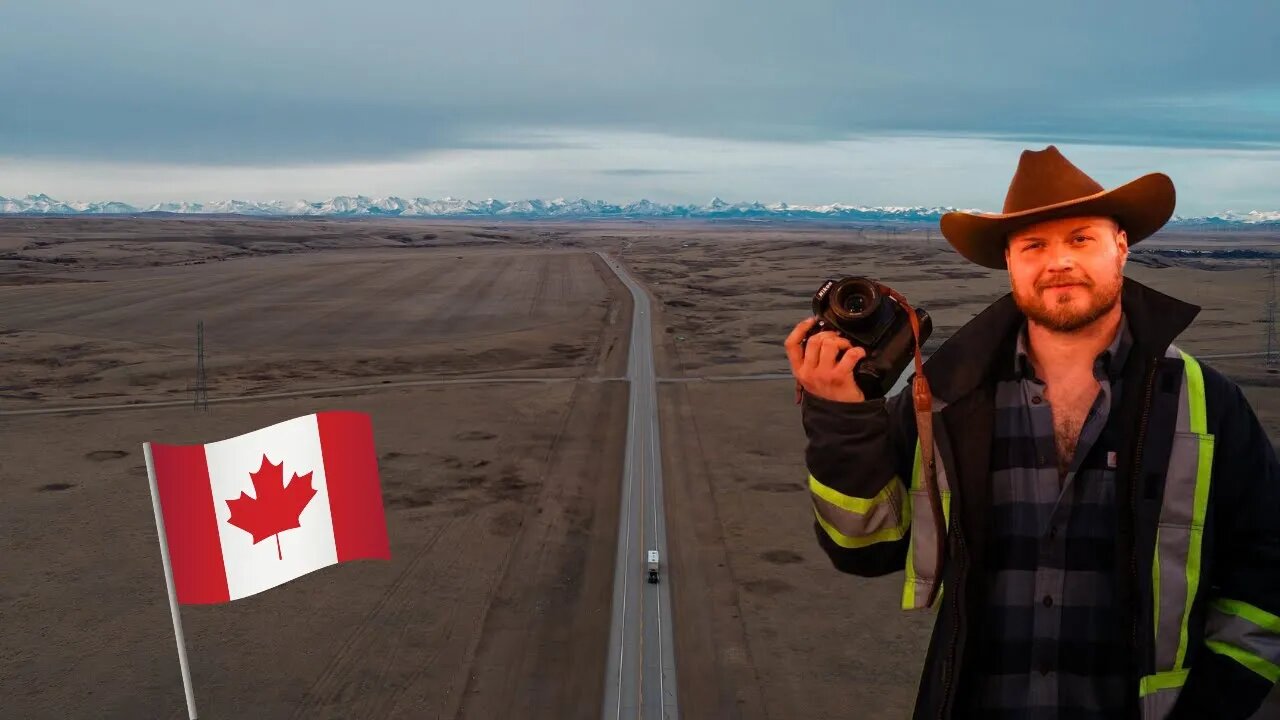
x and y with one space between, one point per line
1070 316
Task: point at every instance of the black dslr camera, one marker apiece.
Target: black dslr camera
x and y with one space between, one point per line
862 311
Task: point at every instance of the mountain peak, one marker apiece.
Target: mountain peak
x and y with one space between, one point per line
559 207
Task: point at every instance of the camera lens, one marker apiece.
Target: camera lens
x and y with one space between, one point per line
854 299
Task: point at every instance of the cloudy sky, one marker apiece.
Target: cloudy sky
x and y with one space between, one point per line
885 103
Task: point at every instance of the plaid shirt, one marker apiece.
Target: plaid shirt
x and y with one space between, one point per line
1055 638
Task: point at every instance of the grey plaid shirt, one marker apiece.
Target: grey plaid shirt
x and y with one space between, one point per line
1054 637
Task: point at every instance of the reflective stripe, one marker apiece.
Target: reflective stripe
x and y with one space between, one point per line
1163 681
1175 566
886 522
1159 693
1195 388
1204 454
883 499
1155 591
909 583
853 522
845 540
1262 667
1255 615
923 564
1246 634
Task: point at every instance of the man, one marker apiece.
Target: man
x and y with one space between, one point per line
1111 505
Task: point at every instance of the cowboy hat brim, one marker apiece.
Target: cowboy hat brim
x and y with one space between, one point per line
1141 206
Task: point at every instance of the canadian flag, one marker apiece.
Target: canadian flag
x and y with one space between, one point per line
255 511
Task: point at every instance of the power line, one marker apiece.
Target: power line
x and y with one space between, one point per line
1271 316
202 396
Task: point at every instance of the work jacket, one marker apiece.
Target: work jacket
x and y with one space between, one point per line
1198 521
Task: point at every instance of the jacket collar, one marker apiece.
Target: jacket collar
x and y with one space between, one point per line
976 350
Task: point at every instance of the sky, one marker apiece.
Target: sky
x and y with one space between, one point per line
806 102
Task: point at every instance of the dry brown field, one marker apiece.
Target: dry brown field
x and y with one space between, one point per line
501 497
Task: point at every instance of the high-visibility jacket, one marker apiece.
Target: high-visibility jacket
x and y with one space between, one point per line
1198 528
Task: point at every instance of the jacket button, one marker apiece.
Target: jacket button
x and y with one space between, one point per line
1048 601
1035 399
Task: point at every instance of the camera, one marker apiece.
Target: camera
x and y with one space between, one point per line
865 313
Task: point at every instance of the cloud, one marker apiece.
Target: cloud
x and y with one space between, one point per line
643 172
251 83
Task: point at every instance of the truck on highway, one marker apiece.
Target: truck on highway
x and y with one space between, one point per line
653 566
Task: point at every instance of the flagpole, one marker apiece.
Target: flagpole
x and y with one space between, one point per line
168 580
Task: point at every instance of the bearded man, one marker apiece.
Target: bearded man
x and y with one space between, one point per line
1101 508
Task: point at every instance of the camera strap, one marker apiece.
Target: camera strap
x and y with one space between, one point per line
923 401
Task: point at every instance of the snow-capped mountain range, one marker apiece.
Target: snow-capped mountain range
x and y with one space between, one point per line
362 206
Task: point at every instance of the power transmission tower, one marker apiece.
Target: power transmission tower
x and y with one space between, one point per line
202 397
1271 317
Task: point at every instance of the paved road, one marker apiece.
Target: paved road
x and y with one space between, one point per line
640 676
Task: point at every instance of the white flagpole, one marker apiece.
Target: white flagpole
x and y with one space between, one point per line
168 580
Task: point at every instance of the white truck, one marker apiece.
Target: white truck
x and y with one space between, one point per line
653 566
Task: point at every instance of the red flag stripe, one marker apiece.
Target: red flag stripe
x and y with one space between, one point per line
355 493
190 525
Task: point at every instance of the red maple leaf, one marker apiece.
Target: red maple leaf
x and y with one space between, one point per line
276 508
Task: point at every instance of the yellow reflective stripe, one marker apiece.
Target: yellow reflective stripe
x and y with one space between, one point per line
845 541
1260 666
1155 590
946 515
1255 615
1204 468
1195 393
862 506
909 583
1162 681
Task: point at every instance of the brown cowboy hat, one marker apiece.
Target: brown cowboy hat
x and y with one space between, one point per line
1046 186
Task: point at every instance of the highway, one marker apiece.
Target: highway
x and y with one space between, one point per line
640 674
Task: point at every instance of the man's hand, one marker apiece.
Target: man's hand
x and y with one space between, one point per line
816 368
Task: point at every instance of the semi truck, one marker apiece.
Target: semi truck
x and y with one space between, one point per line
653 566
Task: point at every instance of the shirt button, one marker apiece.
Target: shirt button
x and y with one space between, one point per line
1035 399
1048 601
